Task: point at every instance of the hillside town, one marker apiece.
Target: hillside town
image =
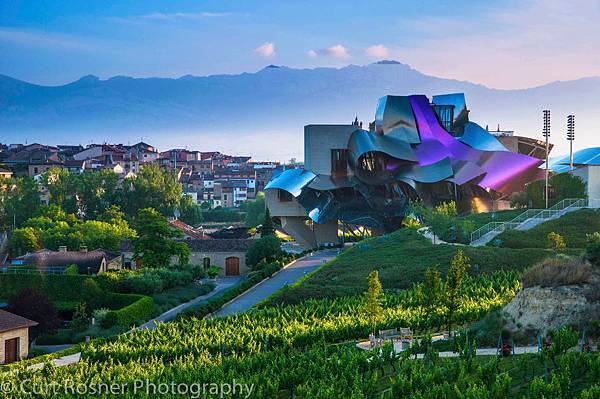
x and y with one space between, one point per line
210 177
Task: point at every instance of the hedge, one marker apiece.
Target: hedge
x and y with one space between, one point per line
59 288
216 302
138 312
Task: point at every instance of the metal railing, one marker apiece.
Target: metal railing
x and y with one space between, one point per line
561 207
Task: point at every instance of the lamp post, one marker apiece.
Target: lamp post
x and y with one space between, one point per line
546 134
571 137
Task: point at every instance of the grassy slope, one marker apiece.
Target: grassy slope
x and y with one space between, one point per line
401 258
573 227
481 219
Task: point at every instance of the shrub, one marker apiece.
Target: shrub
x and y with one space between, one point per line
71 270
138 312
556 241
213 271
556 272
592 250
100 314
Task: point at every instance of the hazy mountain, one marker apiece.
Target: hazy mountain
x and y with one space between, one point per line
263 113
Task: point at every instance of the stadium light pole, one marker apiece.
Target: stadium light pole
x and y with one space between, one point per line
546 133
571 137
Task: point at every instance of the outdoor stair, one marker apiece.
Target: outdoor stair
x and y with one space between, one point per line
531 218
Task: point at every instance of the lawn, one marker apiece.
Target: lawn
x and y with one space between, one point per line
573 227
483 218
401 258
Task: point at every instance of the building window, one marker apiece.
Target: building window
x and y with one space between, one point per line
35 170
206 263
284 196
339 162
372 162
445 115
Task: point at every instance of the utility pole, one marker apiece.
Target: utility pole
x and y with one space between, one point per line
571 138
546 134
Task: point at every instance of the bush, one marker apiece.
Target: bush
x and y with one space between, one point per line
138 312
71 270
564 185
148 281
592 250
99 315
556 241
558 271
213 271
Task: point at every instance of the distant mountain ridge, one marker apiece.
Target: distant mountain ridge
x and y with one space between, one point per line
275 102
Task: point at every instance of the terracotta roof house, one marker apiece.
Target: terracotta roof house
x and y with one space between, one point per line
188 231
92 262
14 337
5 172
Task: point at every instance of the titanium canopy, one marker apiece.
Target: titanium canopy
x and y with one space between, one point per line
408 151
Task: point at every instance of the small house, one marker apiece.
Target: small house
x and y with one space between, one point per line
14 337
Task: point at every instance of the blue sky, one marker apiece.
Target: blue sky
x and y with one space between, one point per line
504 44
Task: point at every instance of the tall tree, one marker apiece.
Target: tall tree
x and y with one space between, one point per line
96 192
60 184
456 273
151 188
19 200
33 305
374 298
190 212
267 228
157 241
432 291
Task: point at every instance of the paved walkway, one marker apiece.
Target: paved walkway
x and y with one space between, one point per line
286 276
242 303
222 284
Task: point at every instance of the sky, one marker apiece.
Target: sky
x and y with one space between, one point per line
501 44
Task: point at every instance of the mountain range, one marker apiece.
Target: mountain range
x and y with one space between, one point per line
263 113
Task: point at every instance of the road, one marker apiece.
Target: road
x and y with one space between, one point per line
286 276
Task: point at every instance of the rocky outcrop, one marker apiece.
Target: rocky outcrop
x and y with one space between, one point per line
542 309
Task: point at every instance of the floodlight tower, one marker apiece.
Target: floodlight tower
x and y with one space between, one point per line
546 134
571 137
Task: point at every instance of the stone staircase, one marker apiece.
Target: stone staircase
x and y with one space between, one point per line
531 218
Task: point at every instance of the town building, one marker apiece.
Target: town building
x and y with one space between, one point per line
55 262
228 255
14 337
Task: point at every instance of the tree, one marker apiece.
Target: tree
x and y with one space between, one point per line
519 200
267 228
24 240
190 212
19 200
563 185
432 291
151 188
266 249
60 184
96 192
458 266
33 305
374 298
156 241
255 210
